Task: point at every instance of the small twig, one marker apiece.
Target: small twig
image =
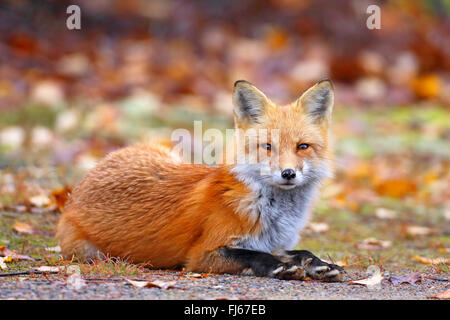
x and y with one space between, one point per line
24 273
104 279
437 278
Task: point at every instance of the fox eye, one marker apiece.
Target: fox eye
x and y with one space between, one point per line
302 146
267 146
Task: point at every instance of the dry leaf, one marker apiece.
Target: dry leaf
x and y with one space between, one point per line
396 188
373 244
318 227
22 227
4 251
40 200
418 231
196 275
154 284
72 269
56 249
441 295
432 261
49 269
409 278
369 282
373 280
427 86
3 264
384 213
193 275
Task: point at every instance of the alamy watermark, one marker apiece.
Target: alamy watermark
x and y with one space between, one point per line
374 20
73 21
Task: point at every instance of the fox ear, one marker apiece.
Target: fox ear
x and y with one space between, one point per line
249 103
318 101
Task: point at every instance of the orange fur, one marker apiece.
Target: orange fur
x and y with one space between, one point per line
136 206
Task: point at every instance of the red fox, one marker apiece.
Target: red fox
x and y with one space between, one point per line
143 204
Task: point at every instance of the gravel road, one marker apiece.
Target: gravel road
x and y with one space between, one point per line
53 287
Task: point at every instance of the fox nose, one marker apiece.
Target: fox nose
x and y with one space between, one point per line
288 174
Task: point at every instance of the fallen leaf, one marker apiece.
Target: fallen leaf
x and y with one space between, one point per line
49 269
13 137
396 188
72 269
4 251
432 261
196 275
193 275
56 249
373 280
369 282
318 227
418 231
441 295
384 213
22 227
3 264
427 86
373 244
409 278
154 284
40 200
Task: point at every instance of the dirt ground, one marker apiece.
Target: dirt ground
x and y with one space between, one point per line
213 287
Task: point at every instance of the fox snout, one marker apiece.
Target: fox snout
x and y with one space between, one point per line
288 174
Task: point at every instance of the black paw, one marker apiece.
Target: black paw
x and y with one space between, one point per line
320 270
313 266
289 272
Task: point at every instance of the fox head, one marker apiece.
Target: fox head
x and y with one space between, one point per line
292 147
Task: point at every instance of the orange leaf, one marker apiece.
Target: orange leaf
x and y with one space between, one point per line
427 86
22 227
60 196
396 188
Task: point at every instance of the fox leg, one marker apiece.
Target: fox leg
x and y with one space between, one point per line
247 262
313 266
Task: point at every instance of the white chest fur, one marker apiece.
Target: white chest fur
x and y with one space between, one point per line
282 213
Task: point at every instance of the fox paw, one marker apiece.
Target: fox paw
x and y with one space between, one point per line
289 272
313 266
320 270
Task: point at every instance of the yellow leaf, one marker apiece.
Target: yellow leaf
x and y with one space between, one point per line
432 261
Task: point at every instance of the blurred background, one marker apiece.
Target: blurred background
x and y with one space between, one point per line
139 69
